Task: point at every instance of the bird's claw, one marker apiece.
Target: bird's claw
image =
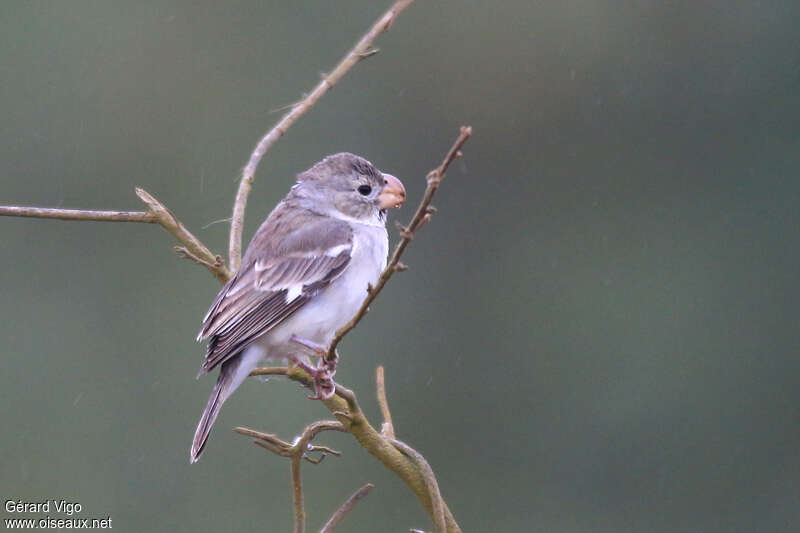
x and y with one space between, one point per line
324 386
322 374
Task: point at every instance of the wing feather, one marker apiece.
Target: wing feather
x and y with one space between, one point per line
255 299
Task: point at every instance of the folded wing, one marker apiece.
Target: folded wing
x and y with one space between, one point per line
279 274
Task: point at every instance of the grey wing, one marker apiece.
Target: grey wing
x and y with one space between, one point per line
270 288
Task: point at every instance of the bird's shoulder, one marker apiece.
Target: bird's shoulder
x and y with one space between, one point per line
292 231
294 254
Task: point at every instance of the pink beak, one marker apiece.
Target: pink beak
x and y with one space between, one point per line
393 193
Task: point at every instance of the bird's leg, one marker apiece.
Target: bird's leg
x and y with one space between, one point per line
324 386
315 347
322 374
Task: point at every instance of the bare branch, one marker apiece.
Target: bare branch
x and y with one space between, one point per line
297 497
315 428
296 452
267 440
299 451
430 482
387 430
407 464
346 507
302 444
361 50
78 214
324 451
192 244
271 447
421 216
185 253
270 371
157 213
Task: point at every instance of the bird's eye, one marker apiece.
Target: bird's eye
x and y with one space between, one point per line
364 190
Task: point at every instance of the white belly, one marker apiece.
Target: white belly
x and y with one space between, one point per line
334 306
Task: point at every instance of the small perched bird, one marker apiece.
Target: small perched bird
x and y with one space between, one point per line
304 275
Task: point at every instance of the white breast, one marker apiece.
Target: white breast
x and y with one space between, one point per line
334 306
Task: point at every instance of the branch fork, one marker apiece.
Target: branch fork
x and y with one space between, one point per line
301 446
395 454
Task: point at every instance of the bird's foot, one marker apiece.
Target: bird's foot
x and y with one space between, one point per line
322 374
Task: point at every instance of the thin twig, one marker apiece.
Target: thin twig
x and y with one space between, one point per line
184 252
324 452
157 213
421 216
267 440
430 481
78 214
315 428
192 244
388 427
299 450
346 507
361 50
301 445
297 496
296 452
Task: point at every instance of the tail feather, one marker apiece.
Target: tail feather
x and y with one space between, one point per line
215 401
232 373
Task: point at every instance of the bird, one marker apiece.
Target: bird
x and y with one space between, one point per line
304 275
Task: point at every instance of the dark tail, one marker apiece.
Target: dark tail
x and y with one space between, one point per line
218 397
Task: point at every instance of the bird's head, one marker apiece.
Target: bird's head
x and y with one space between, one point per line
350 187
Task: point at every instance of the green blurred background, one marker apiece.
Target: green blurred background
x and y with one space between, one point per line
599 331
